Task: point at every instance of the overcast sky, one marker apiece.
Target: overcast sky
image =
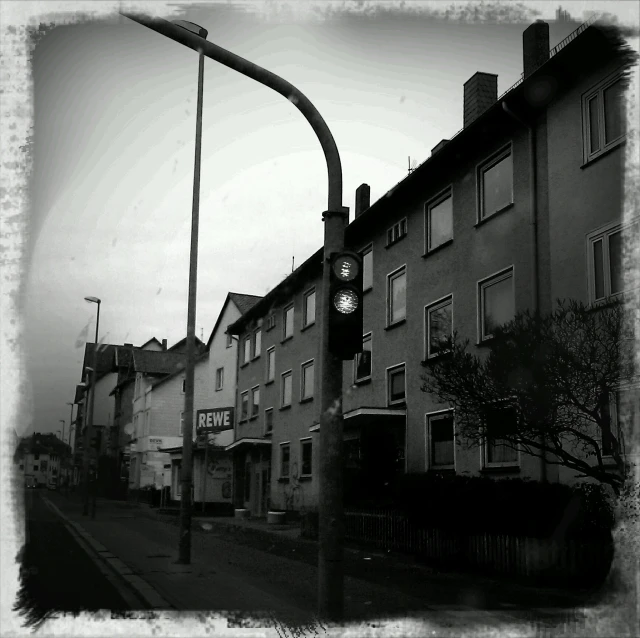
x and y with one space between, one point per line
113 149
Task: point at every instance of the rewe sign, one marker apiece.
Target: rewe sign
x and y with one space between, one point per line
214 420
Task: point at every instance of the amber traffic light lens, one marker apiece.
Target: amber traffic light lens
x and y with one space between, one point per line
345 301
346 268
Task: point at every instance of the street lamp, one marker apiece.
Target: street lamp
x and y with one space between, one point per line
89 428
70 419
335 218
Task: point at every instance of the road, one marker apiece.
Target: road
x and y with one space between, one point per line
57 573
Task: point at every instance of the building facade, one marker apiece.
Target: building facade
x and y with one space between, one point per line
521 207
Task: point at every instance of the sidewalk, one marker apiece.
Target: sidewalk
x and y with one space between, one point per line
262 570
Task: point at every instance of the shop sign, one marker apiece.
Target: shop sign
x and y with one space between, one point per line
214 420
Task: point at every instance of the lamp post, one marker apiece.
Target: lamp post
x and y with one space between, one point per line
70 420
89 426
335 218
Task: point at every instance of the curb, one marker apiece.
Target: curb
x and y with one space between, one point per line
115 565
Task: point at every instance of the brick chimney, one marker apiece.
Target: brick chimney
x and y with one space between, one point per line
363 197
128 345
164 345
480 92
535 46
438 146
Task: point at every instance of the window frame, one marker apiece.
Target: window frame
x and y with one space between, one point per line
229 342
284 374
388 373
286 309
246 350
219 379
304 366
266 430
487 164
435 305
254 415
307 440
271 379
614 418
397 232
183 386
244 415
429 417
271 322
597 92
256 349
368 249
436 200
181 422
305 299
282 476
484 448
368 336
395 274
504 273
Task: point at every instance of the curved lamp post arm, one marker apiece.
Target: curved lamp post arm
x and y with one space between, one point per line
273 81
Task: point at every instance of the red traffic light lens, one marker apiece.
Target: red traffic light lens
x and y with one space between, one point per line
345 301
346 268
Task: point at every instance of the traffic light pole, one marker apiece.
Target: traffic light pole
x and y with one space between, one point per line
330 563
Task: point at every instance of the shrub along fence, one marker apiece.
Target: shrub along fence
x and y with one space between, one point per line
566 562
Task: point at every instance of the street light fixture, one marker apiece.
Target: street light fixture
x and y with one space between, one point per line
89 427
70 419
335 218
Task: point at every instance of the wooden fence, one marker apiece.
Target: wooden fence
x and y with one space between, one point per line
570 561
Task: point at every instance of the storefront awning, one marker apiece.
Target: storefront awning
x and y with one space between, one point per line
374 416
248 441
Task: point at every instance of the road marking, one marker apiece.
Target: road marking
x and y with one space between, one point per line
144 592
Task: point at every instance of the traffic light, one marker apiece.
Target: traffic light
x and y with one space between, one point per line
345 304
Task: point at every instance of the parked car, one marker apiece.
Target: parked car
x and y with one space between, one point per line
30 482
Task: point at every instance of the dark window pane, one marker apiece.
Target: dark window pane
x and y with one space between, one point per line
498 305
497 188
598 269
442 441
306 458
613 110
363 360
440 228
439 328
284 469
594 125
615 262
396 386
500 422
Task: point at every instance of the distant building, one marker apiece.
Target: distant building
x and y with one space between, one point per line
40 460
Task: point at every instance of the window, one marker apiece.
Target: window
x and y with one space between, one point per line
229 339
500 421
496 184
219 378
397 296
285 451
246 350
181 423
623 410
268 421
306 381
397 232
367 268
257 343
184 386
605 261
255 401
35 468
396 385
271 322
22 466
362 362
44 465
440 438
244 405
271 364
285 392
309 308
439 221
438 326
287 325
603 117
36 457
497 305
306 455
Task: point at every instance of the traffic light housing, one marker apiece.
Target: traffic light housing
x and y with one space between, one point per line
345 304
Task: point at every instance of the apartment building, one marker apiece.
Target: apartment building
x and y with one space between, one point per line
521 207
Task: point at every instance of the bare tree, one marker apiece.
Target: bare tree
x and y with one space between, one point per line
557 373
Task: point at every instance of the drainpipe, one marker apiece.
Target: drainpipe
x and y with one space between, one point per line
533 220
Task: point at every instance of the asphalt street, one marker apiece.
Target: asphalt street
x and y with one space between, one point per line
57 574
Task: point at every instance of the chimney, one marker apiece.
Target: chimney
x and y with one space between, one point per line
438 146
535 46
128 345
480 93
164 345
363 195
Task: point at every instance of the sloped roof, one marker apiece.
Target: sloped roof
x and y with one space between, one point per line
106 358
244 303
182 344
180 369
150 341
152 362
